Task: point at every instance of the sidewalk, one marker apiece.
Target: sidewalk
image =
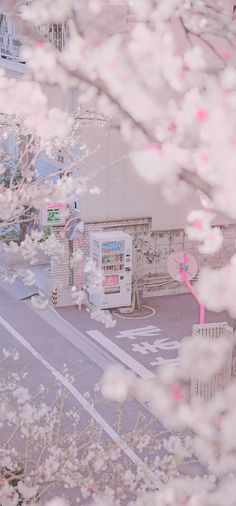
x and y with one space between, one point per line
18 289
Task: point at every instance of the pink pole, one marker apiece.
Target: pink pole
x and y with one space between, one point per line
193 291
80 273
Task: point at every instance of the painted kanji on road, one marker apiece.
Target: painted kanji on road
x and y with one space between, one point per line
160 344
153 344
148 331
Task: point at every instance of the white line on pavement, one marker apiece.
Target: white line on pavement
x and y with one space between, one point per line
80 398
77 338
124 357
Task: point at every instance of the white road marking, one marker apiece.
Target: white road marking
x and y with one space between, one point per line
77 338
145 348
80 398
148 331
124 357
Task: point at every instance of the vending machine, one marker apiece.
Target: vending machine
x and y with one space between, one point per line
112 254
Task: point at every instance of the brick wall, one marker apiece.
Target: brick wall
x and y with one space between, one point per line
61 276
60 271
150 253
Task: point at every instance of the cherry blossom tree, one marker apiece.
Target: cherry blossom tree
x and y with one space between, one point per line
209 425
47 446
164 71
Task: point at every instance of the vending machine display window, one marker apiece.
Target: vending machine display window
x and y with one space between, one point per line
111 280
113 256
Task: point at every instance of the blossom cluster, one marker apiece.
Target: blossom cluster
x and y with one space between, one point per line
45 447
169 398
179 121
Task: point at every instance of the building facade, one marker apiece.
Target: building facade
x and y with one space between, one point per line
125 202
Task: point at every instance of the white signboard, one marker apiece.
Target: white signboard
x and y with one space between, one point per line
54 214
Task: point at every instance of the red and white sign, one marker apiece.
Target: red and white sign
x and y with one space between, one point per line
53 215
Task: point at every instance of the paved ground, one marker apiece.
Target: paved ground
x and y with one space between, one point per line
45 343
47 339
149 341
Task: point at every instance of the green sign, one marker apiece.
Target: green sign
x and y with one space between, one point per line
53 216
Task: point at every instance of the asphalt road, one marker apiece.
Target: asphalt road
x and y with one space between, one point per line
48 339
46 343
150 342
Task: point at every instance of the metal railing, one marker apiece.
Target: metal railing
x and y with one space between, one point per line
56 34
10 38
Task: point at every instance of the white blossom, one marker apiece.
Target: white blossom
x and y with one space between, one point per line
216 288
116 383
57 501
211 239
194 58
22 395
39 302
26 491
204 357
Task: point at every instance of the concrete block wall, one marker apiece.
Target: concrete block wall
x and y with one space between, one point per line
134 227
156 278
